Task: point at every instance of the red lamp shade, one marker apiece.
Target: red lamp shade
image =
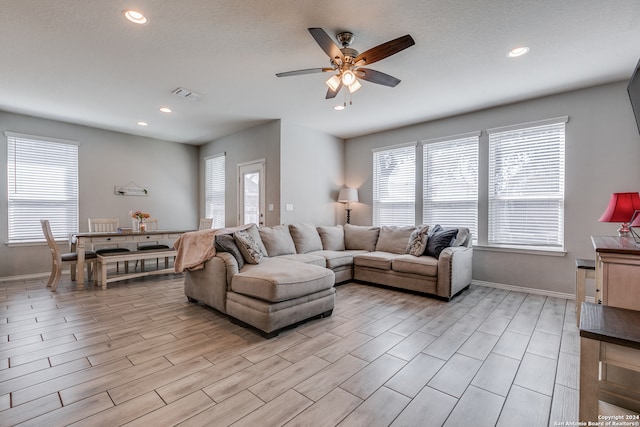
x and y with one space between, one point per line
621 207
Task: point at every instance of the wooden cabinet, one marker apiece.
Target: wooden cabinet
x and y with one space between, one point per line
617 271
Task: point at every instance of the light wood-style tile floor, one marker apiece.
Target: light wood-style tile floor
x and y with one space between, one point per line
139 354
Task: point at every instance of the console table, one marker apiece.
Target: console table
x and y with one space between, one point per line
611 336
617 271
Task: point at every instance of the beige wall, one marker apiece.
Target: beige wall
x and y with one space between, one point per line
167 169
602 156
259 142
312 173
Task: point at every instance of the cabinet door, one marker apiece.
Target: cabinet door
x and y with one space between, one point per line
622 285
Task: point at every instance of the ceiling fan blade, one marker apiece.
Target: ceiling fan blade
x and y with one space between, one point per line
325 42
301 72
385 50
374 76
331 93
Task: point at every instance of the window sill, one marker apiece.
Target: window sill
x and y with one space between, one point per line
529 250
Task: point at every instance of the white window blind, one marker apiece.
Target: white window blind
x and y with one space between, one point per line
42 184
526 185
450 183
214 190
394 185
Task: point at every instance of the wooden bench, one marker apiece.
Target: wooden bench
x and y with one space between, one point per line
106 259
609 337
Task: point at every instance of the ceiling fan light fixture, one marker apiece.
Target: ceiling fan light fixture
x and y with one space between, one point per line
354 86
134 16
518 51
348 78
333 82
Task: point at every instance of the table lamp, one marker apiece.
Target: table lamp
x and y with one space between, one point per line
620 209
348 195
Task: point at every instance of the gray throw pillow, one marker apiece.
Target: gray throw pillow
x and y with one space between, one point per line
439 239
248 247
394 238
253 231
226 243
418 241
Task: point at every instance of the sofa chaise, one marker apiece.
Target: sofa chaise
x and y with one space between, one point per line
274 277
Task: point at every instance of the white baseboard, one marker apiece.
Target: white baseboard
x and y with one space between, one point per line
534 291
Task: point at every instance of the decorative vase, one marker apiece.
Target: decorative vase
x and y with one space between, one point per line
142 227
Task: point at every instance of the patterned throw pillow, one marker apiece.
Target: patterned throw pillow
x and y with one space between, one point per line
418 241
226 243
439 239
248 247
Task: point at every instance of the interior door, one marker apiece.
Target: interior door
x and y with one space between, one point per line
251 189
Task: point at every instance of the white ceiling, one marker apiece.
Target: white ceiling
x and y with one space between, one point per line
80 61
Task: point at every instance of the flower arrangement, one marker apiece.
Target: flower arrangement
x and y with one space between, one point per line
139 215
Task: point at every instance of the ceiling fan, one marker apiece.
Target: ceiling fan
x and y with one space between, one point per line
348 64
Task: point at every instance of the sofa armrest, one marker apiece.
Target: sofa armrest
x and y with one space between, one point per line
209 285
454 270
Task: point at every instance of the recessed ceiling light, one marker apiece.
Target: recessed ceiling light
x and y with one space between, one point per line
143 124
134 16
339 107
165 109
518 51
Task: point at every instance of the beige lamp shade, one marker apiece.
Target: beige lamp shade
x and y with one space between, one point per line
348 195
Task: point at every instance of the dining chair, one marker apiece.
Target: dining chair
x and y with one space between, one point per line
107 225
59 260
152 225
205 223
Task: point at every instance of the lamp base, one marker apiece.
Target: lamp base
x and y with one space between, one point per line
348 216
624 230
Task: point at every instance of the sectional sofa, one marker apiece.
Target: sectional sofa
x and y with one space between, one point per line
273 277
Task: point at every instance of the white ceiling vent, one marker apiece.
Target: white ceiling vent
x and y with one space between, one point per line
186 94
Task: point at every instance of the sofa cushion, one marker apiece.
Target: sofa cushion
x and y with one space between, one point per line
394 239
277 240
335 259
381 260
226 243
418 241
306 258
305 237
361 237
277 279
248 247
332 237
439 239
422 265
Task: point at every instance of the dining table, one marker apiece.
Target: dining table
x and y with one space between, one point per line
83 240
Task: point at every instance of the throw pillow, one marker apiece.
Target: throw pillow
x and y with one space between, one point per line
439 239
461 237
248 247
418 241
305 237
225 243
253 231
332 237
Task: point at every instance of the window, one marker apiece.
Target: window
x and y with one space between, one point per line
526 184
394 185
214 189
42 184
450 182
